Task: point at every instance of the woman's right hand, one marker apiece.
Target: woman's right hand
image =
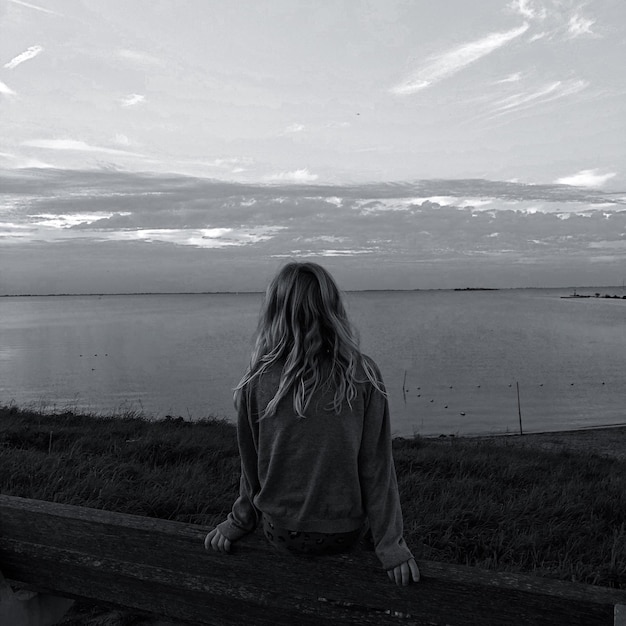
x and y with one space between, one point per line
217 541
405 572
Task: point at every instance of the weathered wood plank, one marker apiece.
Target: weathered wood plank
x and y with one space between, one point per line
161 567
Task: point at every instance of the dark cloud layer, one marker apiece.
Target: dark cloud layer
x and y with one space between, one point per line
164 231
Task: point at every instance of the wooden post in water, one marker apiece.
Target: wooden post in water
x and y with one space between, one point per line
519 409
404 387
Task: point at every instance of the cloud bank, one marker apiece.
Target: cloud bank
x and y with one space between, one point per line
149 226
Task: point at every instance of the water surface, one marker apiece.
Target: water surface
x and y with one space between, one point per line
451 360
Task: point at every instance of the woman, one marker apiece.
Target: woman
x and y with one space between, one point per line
313 432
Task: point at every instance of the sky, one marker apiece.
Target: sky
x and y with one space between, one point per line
196 146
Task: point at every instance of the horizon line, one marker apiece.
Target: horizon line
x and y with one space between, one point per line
237 292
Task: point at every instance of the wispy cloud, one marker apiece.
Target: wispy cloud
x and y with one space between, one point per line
511 78
132 100
528 9
30 53
6 90
448 63
531 98
35 7
73 144
579 25
546 93
586 178
559 18
296 176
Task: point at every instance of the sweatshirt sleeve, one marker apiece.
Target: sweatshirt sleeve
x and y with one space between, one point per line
244 516
379 487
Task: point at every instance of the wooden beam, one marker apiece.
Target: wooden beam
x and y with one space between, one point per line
161 567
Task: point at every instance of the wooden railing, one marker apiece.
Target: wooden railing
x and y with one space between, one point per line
160 567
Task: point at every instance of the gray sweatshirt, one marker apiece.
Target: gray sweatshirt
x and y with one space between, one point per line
323 473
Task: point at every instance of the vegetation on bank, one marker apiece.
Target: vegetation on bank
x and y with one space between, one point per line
554 514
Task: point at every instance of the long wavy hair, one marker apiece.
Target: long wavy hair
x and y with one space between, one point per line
304 325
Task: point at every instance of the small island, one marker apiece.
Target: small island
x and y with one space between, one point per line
476 289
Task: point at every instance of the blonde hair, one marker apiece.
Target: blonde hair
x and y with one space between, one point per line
303 322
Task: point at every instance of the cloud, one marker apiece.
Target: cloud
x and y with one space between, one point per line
557 89
528 9
72 144
295 128
444 65
122 139
137 56
579 26
324 252
511 78
30 53
32 6
54 220
227 162
19 162
196 237
586 178
7 91
296 176
541 95
132 100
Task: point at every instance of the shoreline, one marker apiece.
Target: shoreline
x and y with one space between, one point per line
609 441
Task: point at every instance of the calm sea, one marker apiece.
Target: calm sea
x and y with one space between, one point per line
451 360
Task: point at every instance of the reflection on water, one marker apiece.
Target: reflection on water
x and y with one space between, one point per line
451 360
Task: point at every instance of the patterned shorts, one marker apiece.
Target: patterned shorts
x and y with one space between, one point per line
311 543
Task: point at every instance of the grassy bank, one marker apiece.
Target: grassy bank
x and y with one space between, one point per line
550 513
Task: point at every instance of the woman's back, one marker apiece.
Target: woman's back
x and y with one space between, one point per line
313 428
309 466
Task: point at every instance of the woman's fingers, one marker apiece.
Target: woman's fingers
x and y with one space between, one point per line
403 574
209 539
216 541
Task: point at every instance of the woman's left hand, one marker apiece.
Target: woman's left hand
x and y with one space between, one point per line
404 573
217 541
